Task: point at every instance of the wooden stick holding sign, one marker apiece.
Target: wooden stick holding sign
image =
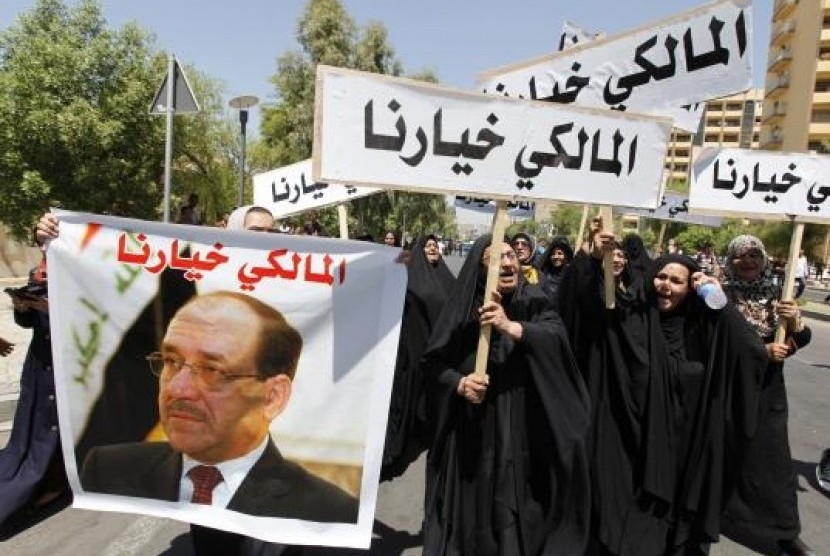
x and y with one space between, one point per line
493 269
608 260
660 237
343 219
789 278
580 236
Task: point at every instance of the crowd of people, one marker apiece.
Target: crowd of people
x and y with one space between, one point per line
642 425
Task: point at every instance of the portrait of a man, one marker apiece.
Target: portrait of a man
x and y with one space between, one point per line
225 368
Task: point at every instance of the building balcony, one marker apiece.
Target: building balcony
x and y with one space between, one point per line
773 140
774 118
783 32
775 114
783 8
825 36
821 98
819 129
777 88
779 60
823 68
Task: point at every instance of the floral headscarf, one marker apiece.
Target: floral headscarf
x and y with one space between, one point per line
756 299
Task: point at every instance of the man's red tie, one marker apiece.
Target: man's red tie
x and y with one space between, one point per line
205 478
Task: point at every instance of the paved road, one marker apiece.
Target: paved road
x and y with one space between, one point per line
70 532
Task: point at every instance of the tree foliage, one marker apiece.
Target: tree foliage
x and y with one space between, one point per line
327 35
74 129
74 124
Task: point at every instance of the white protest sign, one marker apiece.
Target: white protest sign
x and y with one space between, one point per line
761 184
381 131
128 413
515 209
674 207
290 190
573 34
687 117
692 57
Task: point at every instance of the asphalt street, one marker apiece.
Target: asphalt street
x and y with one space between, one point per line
63 531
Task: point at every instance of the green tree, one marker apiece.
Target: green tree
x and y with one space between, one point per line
328 35
74 129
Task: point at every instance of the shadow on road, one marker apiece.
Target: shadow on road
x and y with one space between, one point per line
28 516
749 539
807 469
386 541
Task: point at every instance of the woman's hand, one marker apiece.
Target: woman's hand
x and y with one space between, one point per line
47 228
6 347
700 278
789 311
473 387
492 313
600 240
777 352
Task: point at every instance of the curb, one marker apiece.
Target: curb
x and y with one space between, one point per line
815 315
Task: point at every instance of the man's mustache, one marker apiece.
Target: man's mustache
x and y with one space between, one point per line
183 406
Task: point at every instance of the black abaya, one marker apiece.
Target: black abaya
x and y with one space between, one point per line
33 450
674 398
507 476
407 432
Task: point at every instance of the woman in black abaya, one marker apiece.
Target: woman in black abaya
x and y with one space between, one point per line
31 464
674 388
555 260
507 470
428 283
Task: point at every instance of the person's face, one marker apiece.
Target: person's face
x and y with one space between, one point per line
508 268
259 222
431 251
672 285
748 264
557 258
522 248
389 239
618 262
227 420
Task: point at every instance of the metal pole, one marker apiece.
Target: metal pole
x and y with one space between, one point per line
168 139
243 119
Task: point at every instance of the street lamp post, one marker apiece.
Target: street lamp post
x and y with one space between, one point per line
242 103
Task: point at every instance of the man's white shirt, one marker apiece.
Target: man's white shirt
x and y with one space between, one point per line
233 472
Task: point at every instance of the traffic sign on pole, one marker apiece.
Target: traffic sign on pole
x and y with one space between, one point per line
183 99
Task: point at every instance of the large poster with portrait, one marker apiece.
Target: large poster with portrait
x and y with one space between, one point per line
235 380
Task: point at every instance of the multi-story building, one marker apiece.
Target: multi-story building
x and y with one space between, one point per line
797 99
733 121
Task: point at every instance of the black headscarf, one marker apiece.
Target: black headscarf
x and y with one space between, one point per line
428 283
509 474
561 243
635 250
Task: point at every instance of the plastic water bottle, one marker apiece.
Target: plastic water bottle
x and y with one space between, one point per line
712 296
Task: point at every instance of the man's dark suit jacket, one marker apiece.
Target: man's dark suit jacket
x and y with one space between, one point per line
274 487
